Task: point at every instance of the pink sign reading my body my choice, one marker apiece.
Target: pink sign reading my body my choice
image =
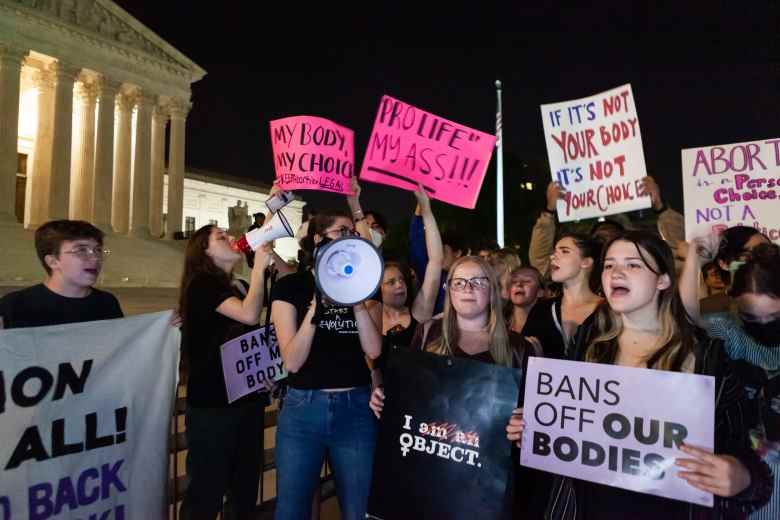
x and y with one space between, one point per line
409 145
312 153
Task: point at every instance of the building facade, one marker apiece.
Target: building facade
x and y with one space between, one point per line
86 95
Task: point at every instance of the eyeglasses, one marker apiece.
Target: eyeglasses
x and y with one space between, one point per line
343 231
84 252
478 283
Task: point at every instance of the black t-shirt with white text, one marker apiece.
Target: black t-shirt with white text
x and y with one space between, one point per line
39 306
203 331
336 359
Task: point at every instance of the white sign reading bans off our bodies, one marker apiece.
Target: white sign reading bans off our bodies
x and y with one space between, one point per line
615 425
85 410
594 146
252 362
730 185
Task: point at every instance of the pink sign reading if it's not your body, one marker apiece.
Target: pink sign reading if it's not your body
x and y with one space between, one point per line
312 153
410 146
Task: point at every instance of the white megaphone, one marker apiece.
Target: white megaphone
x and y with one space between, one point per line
348 270
277 227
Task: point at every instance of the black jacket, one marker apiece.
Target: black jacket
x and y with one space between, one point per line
733 420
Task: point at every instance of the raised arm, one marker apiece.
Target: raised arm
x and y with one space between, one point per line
424 302
698 251
247 311
543 233
361 226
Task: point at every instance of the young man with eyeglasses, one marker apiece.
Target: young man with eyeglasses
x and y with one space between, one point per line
72 254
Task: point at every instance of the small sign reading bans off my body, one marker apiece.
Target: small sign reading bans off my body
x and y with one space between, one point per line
617 426
251 362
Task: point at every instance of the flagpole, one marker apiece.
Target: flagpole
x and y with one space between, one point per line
499 171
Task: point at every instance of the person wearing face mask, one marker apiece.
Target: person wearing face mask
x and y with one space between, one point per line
325 411
643 324
553 321
752 339
377 227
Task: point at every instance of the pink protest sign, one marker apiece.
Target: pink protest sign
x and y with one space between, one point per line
618 426
730 185
251 360
594 146
409 145
312 153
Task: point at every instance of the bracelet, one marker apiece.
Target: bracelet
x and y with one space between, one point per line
661 209
550 211
358 215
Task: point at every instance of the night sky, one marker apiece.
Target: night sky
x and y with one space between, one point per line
701 75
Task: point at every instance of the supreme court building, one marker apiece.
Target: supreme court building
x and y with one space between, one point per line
86 94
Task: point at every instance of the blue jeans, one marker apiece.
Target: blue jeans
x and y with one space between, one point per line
314 423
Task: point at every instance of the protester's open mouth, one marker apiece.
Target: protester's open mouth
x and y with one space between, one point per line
620 290
93 272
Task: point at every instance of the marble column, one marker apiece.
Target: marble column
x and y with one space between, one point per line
139 216
82 164
62 127
120 198
159 120
178 109
103 175
39 178
10 85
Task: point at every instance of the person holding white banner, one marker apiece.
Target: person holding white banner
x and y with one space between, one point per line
644 325
224 440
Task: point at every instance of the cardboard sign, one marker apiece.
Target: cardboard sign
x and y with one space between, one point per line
249 361
731 185
442 450
409 145
617 426
595 150
85 413
312 153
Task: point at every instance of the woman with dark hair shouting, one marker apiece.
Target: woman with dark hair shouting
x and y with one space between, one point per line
224 449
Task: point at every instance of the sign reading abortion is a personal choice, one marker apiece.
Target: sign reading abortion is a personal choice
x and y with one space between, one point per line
251 361
617 426
595 150
442 450
410 146
312 153
731 185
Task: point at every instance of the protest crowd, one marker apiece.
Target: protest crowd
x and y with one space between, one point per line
699 304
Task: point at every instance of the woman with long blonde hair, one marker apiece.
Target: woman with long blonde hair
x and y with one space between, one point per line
644 325
472 325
